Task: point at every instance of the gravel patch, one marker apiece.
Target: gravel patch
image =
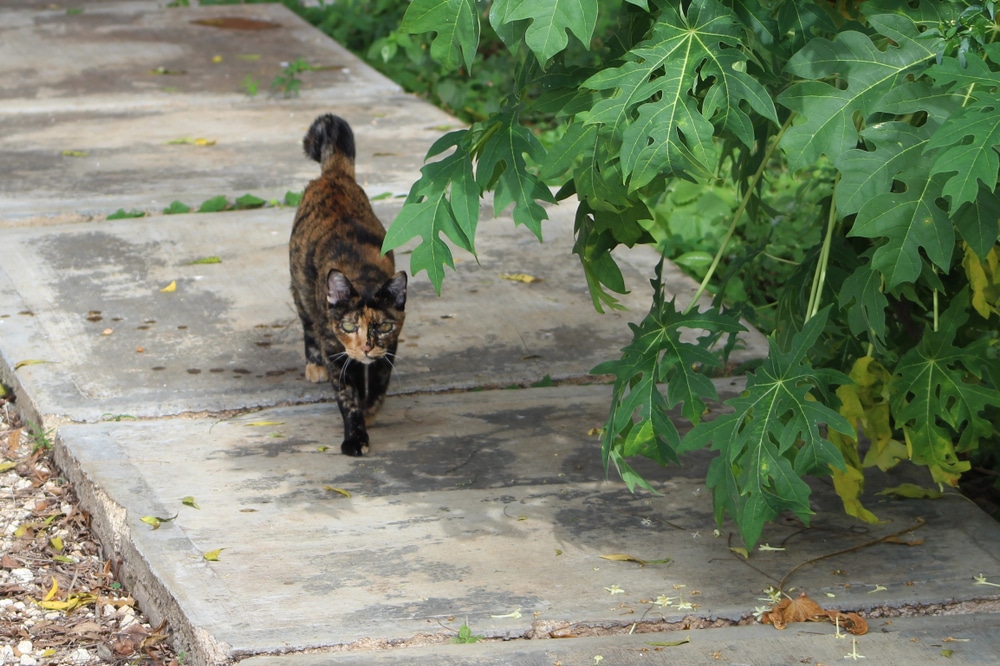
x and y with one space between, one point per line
61 602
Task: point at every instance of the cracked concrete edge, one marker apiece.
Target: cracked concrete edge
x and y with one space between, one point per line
108 521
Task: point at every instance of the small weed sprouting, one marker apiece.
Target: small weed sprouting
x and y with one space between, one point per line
465 635
250 86
288 82
41 438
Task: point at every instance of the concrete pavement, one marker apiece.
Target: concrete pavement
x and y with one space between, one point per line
483 501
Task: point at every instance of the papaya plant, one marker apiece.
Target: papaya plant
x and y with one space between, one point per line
886 331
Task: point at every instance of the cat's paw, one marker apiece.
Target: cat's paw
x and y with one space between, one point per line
316 373
355 446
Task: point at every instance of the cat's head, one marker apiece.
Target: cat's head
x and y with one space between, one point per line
366 322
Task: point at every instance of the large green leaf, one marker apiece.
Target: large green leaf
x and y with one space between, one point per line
502 167
940 395
428 212
549 20
656 110
978 223
968 141
456 24
862 298
867 73
658 359
909 221
865 174
773 437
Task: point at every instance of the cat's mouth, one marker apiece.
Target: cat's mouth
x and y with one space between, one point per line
364 357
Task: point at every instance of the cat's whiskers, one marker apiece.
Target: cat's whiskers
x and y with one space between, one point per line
392 365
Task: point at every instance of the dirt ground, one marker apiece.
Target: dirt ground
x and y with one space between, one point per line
60 599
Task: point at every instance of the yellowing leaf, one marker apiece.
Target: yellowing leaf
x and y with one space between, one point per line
74 153
170 288
217 59
520 277
192 142
4 466
911 491
261 424
343 492
52 590
213 555
64 559
56 543
984 279
30 361
72 602
622 557
155 522
189 501
205 260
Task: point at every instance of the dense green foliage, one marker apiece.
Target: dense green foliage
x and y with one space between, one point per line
843 159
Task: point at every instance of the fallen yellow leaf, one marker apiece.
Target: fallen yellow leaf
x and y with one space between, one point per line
261 424
520 277
72 601
192 141
155 521
622 557
345 493
170 287
52 590
31 361
74 153
213 555
189 501
4 466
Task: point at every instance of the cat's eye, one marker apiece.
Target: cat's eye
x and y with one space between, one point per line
348 326
386 327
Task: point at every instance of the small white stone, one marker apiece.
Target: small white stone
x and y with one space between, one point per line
22 575
28 660
80 656
54 615
25 647
19 605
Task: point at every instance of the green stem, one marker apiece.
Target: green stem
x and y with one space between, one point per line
819 278
751 186
936 309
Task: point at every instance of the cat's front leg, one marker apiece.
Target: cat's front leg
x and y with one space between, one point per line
355 435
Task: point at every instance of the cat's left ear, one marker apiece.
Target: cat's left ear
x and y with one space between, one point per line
394 289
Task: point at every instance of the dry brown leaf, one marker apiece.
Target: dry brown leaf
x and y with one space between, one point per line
804 609
849 622
800 609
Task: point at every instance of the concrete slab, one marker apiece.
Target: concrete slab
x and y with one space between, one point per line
129 162
132 50
86 122
86 300
489 508
967 639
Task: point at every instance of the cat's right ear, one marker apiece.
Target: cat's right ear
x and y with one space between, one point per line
338 288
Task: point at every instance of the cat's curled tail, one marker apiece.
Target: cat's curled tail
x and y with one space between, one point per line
330 141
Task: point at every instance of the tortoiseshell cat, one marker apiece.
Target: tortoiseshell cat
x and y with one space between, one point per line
349 296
